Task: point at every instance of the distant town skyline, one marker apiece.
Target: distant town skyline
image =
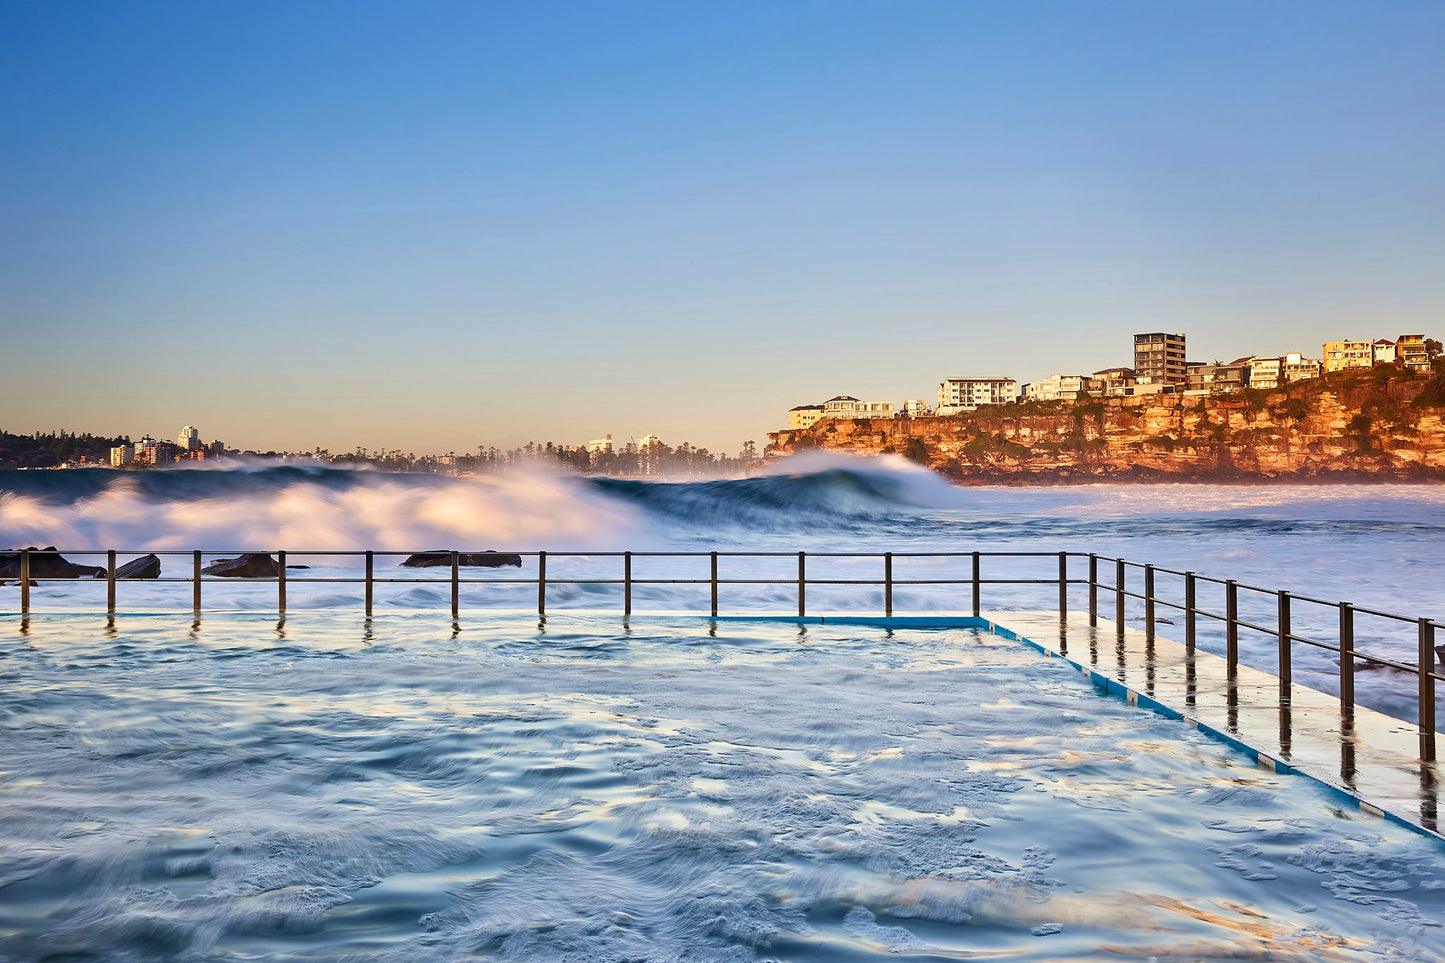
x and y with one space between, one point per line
442 226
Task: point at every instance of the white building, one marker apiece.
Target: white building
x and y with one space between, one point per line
600 446
957 395
916 408
122 455
1296 367
189 439
1057 386
846 406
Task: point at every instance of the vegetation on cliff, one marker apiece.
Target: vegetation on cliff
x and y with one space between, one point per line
1384 422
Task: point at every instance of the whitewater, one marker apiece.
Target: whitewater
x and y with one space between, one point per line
668 788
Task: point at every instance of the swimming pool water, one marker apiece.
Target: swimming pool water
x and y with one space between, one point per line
674 789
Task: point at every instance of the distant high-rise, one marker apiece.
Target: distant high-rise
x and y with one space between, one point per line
1159 359
190 438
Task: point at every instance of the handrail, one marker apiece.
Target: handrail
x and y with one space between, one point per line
1123 591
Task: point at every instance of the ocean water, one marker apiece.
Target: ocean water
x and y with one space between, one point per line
1376 546
669 788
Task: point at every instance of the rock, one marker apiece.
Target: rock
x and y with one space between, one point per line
487 559
46 563
250 565
147 566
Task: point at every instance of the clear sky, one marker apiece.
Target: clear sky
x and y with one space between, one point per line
432 226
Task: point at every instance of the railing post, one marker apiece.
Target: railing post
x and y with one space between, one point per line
370 562
1427 691
25 581
802 583
626 584
713 578
542 584
1149 601
1093 589
281 582
1231 628
888 584
1286 668
110 582
1347 658
1190 621
1119 595
977 582
456 583
1063 586
196 583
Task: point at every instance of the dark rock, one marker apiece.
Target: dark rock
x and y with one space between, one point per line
147 566
487 559
1440 653
297 567
250 565
46 563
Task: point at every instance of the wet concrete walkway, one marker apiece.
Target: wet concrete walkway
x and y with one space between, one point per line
1372 759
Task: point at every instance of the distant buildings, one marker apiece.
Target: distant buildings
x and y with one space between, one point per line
600 446
839 406
957 395
1409 350
1159 359
190 439
122 455
1160 367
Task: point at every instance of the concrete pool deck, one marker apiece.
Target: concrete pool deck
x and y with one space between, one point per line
1372 760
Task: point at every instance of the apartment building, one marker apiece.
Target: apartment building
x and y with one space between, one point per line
1342 355
1209 378
1159 359
846 406
1412 352
1056 387
804 416
957 395
1113 382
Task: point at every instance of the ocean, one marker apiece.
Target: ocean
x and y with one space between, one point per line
669 787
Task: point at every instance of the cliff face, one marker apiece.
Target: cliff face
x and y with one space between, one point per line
1383 424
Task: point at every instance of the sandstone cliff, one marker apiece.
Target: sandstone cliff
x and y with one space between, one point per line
1383 424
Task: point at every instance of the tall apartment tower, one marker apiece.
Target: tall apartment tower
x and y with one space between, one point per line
1159 359
189 439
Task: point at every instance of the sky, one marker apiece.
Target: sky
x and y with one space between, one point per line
435 226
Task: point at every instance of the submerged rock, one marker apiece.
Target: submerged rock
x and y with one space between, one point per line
487 559
249 565
147 566
46 563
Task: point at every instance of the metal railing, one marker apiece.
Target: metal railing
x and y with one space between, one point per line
1185 601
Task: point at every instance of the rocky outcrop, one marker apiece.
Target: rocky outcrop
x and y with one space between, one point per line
147 566
1385 424
487 559
46 563
250 565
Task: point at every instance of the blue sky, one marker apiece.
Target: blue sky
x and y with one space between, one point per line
434 226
